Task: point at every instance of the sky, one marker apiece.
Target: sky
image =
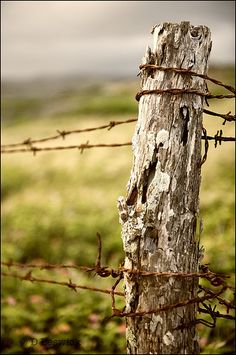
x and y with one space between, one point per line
56 38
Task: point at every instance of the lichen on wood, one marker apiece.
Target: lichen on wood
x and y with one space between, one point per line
159 214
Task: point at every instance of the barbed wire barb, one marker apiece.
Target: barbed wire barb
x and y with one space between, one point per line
227 117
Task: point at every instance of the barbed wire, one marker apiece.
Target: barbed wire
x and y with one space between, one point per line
209 294
215 279
208 309
80 147
189 72
170 306
104 271
109 126
43 266
218 137
115 272
62 134
70 284
177 91
227 117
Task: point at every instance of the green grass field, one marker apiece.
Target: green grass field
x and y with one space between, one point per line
54 203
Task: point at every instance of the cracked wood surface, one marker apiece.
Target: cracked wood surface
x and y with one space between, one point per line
159 214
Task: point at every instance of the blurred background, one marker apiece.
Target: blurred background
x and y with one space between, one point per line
73 64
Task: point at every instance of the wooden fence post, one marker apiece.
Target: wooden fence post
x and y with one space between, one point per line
159 214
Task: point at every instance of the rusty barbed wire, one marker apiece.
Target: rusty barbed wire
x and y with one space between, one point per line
227 117
189 72
109 126
44 266
215 280
169 307
64 133
73 286
228 305
177 91
209 294
104 271
80 147
217 138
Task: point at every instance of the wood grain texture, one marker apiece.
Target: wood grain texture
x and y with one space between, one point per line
159 214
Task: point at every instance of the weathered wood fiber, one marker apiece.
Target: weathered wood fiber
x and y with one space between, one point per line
159 214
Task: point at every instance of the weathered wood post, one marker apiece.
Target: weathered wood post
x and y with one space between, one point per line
160 211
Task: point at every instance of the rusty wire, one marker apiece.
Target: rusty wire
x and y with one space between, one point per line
216 280
227 117
170 306
189 72
64 133
44 266
104 271
208 295
70 284
177 91
80 147
218 137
